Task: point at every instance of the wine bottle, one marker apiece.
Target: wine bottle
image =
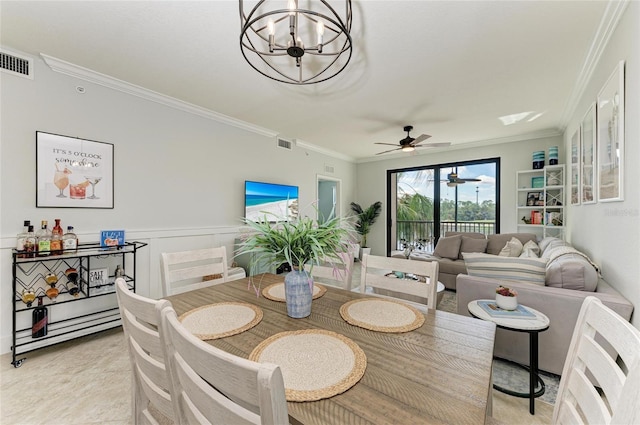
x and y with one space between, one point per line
56 238
70 240
72 288
43 237
72 285
40 319
21 238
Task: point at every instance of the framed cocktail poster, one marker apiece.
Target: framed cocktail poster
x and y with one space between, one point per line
588 156
73 172
610 118
575 167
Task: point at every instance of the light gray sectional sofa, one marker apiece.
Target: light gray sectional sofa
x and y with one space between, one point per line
448 251
569 278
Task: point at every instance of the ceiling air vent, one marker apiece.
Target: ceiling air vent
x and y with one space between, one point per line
284 143
16 65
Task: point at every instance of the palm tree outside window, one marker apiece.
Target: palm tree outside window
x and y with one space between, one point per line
428 201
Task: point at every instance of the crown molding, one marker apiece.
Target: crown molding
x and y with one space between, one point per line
304 145
608 24
67 68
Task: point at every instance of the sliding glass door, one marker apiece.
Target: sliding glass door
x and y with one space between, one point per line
427 202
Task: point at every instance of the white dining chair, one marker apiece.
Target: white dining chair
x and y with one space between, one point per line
335 271
151 383
379 274
595 387
188 270
213 386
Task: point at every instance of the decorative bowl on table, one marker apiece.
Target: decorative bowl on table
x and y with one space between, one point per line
506 303
506 298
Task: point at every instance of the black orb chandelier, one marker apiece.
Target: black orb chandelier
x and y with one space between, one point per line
296 41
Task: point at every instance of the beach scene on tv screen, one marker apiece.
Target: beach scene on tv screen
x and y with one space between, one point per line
265 198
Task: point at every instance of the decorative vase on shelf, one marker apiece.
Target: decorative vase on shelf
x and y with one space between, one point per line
553 155
506 303
538 160
298 293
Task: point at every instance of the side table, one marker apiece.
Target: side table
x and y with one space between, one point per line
533 326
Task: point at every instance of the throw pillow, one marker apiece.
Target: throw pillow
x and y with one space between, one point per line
448 247
530 250
513 248
472 244
531 270
497 241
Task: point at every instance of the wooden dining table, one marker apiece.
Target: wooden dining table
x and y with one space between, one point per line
439 373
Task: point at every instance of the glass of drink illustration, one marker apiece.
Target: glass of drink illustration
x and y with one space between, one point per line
61 180
93 181
78 191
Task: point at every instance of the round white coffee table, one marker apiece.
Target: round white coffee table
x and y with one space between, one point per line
533 326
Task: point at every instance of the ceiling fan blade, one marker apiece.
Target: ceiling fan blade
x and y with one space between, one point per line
390 150
388 144
470 180
438 144
421 138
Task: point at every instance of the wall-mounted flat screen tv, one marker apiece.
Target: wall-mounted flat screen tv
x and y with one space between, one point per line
265 198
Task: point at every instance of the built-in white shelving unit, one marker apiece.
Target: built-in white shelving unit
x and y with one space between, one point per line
540 201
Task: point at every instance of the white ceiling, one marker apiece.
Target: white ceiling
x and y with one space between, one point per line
449 68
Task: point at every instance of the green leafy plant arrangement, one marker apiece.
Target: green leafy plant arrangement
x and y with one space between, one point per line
301 242
365 219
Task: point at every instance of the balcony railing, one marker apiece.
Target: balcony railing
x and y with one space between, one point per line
421 233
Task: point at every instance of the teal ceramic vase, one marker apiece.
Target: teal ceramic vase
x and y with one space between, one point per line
298 293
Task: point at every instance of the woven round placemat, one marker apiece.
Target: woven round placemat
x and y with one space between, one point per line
275 292
382 315
220 320
315 363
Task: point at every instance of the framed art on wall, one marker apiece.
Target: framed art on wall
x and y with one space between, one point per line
73 172
575 167
610 118
588 156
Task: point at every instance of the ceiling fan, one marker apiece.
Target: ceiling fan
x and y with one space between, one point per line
409 144
453 179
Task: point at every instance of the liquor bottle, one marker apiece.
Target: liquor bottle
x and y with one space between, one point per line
70 240
30 243
21 237
43 237
40 319
56 238
119 272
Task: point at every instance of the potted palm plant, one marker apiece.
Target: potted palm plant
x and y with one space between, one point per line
300 243
364 220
